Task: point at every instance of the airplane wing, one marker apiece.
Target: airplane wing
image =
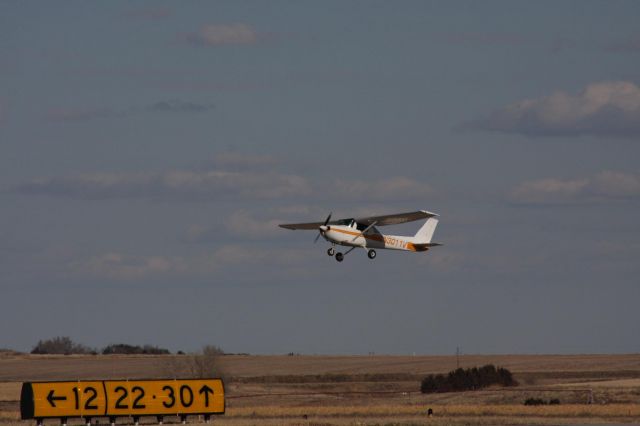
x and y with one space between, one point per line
313 225
390 219
395 219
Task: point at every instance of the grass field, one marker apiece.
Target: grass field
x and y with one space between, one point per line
368 390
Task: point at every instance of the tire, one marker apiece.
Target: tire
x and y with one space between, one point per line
372 254
339 257
331 251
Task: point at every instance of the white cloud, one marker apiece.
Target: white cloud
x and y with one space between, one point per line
242 223
199 233
210 185
546 190
605 109
169 106
614 184
123 267
221 34
628 45
182 184
148 13
239 224
239 160
602 186
177 105
294 209
394 188
231 255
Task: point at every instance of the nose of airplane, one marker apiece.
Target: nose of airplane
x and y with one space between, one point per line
323 228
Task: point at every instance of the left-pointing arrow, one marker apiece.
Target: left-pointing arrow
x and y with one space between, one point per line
52 399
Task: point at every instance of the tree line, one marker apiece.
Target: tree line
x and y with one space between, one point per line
65 346
467 379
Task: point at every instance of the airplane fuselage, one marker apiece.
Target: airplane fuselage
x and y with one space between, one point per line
352 237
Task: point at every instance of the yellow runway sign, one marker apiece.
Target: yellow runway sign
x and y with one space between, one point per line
114 398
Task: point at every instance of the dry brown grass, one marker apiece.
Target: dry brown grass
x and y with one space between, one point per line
391 410
10 391
45 367
368 390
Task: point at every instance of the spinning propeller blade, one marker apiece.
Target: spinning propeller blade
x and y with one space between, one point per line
320 229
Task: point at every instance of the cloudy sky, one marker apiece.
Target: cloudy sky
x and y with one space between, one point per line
148 151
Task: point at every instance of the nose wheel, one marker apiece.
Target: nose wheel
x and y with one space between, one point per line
372 254
339 257
331 251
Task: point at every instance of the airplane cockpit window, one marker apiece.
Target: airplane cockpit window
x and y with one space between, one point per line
362 226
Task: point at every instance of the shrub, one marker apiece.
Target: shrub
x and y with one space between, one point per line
534 401
123 348
539 401
469 379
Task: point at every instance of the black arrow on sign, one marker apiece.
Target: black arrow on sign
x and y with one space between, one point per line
52 399
206 389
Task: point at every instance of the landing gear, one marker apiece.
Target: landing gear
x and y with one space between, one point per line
372 254
331 251
339 257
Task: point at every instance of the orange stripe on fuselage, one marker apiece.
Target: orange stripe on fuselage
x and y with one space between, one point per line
359 234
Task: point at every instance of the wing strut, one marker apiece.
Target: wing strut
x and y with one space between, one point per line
365 230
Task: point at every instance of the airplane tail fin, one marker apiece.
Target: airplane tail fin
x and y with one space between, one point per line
424 234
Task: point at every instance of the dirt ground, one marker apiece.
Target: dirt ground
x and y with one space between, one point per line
366 390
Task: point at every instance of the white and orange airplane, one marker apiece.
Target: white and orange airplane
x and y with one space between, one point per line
363 233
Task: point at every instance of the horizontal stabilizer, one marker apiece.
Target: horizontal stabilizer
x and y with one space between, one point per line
425 246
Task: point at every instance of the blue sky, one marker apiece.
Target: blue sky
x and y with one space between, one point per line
149 150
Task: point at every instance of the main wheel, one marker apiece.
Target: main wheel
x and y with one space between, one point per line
331 251
339 257
372 254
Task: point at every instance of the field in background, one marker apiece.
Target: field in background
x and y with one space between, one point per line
342 390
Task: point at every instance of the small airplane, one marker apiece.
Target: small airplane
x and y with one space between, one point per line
363 233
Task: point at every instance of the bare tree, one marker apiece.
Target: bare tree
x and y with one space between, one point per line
203 364
61 345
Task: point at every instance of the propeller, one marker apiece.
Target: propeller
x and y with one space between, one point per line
323 228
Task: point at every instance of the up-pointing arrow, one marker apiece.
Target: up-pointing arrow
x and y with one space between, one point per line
52 399
206 389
